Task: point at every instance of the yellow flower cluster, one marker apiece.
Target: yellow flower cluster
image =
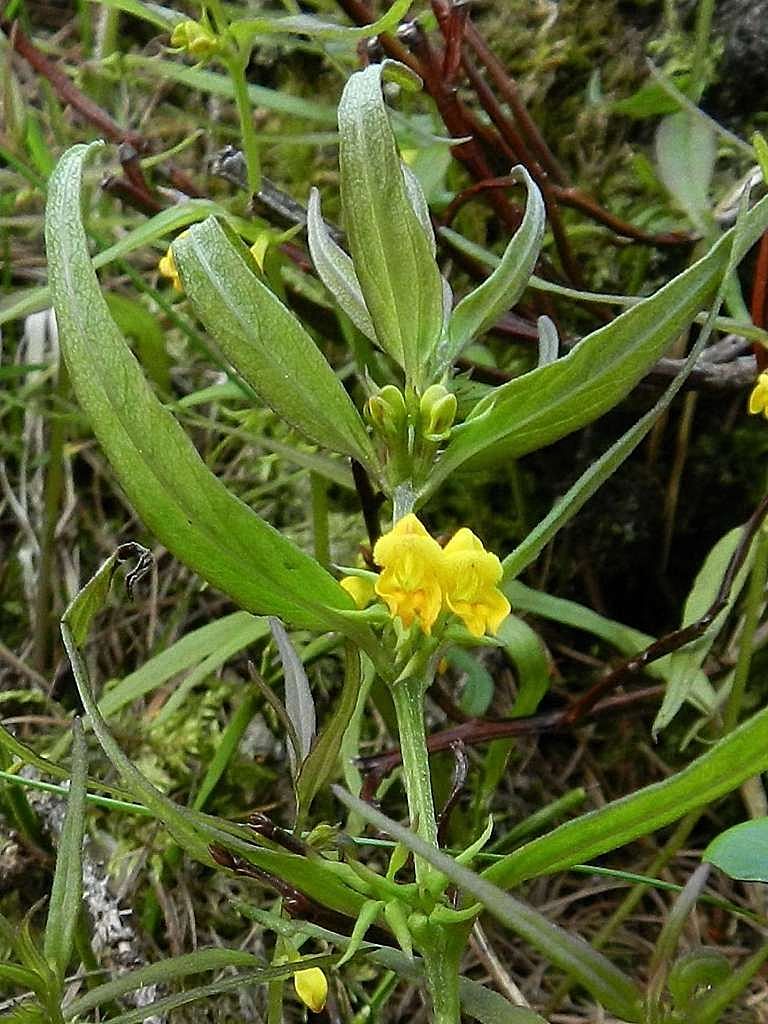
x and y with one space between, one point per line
758 399
419 579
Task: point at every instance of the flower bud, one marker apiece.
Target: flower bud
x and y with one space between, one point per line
438 411
196 39
311 988
386 411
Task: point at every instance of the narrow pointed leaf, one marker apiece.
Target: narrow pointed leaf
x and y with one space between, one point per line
722 769
335 268
299 703
685 664
552 401
246 31
498 293
577 958
322 761
167 482
265 343
392 255
66 894
193 830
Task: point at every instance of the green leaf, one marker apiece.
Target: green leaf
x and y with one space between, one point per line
66 894
162 17
686 150
624 638
194 831
577 958
149 231
299 702
335 268
226 749
742 851
210 645
500 291
265 342
171 969
552 401
265 974
143 328
245 31
322 762
478 1002
723 768
526 651
392 255
477 691
168 483
685 664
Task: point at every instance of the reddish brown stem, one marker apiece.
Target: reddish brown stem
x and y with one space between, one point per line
378 766
67 91
585 204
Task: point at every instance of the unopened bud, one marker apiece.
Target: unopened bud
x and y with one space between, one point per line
438 411
196 39
386 411
311 988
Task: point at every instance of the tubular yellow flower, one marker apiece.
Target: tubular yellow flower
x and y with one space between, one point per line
758 398
470 574
410 581
311 988
360 589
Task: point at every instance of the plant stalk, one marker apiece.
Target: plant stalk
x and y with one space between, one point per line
440 946
236 68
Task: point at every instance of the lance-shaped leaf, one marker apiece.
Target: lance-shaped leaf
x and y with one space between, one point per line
265 343
577 958
549 402
167 482
335 268
391 252
723 768
66 894
194 831
482 307
246 31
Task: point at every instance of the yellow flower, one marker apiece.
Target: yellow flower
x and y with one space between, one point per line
311 988
758 399
359 588
167 268
410 581
470 574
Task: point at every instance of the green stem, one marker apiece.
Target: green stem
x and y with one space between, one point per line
442 958
754 604
408 697
236 68
699 64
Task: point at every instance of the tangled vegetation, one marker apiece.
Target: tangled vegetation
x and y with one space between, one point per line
382 515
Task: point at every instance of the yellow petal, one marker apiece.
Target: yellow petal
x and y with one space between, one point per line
311 988
167 268
470 575
758 398
410 583
359 588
